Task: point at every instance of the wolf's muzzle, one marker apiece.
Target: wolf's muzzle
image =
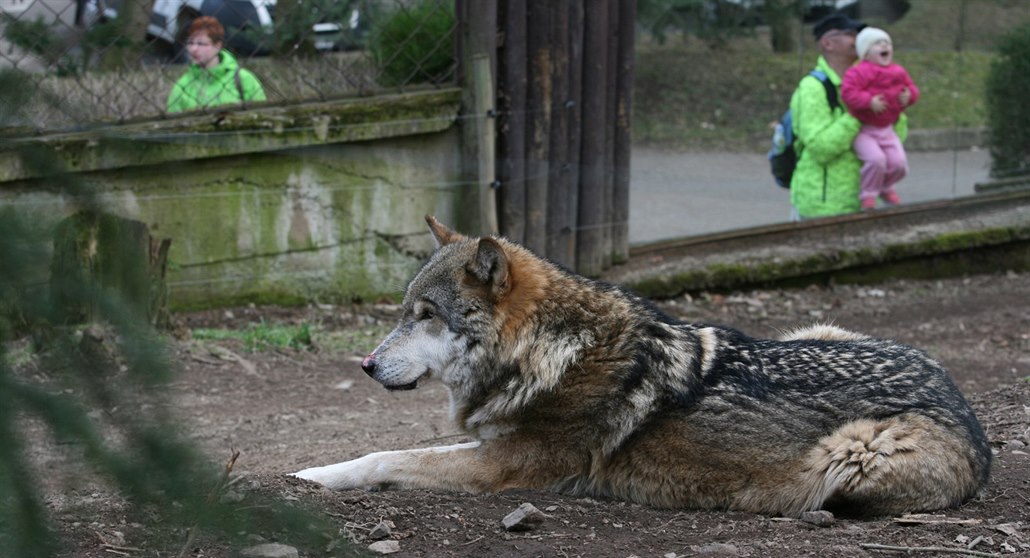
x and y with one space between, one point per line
369 366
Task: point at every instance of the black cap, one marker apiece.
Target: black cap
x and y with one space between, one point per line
836 20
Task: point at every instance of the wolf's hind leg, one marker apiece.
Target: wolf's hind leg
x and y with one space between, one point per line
901 464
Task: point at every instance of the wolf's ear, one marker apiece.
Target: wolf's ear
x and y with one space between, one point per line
443 234
490 267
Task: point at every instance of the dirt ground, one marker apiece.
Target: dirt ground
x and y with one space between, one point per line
290 409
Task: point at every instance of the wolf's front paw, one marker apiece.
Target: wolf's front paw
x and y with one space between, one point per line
330 476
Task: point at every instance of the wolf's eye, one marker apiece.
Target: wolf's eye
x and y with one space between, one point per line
425 312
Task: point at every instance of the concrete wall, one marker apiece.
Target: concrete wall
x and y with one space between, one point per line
323 202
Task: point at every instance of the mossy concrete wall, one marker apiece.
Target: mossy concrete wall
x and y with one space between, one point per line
976 234
322 202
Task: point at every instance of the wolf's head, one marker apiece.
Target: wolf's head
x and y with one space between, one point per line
449 310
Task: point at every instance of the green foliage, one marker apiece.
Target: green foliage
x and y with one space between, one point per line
660 17
293 33
99 393
72 53
1007 109
262 336
33 36
415 44
713 22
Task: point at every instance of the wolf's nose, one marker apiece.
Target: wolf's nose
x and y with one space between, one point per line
369 365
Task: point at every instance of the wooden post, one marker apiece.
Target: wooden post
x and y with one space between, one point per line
590 238
511 138
484 107
609 132
477 33
560 238
574 111
538 125
623 132
98 255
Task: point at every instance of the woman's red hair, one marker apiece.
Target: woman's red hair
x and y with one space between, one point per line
209 26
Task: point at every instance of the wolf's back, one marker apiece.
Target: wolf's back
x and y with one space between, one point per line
803 389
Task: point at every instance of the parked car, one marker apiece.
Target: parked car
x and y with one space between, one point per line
248 23
749 11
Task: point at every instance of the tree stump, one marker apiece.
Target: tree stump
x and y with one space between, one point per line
104 263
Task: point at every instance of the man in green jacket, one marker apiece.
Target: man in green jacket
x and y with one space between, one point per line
826 179
214 77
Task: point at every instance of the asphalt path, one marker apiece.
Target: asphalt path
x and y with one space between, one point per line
675 194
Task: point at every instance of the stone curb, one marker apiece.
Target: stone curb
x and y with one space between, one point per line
946 139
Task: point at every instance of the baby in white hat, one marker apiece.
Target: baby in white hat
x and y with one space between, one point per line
876 91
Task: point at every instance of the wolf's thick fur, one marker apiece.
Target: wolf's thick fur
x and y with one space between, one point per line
577 386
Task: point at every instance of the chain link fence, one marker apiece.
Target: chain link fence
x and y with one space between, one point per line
102 61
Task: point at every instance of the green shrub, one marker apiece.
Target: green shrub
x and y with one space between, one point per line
1008 113
415 44
292 34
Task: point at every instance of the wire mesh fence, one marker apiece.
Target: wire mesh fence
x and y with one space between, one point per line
95 61
707 78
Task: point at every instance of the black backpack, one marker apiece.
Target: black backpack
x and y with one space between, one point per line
783 156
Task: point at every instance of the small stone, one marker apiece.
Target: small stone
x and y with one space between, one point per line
270 550
231 497
524 518
385 547
821 518
717 549
1010 529
381 531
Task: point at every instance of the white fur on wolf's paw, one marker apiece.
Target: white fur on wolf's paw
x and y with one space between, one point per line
341 476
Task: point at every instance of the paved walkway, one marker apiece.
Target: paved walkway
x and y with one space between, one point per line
685 194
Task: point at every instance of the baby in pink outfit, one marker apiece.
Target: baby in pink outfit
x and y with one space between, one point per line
875 91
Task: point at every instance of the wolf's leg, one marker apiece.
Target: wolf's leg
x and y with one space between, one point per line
904 463
454 467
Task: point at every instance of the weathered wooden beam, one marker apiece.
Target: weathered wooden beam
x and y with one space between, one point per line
592 219
511 136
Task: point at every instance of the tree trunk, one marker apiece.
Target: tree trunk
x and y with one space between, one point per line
783 17
132 22
102 260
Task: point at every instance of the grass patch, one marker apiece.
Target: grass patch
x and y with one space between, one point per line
262 336
359 341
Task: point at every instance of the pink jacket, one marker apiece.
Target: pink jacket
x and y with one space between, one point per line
865 80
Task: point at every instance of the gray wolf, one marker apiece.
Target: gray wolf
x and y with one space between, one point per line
572 385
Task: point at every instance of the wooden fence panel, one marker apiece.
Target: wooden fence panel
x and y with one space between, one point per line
623 133
560 237
592 218
511 137
565 80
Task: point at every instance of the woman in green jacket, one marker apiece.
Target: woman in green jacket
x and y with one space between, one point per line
214 77
826 179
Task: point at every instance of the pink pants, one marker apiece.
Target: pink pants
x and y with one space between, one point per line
883 158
